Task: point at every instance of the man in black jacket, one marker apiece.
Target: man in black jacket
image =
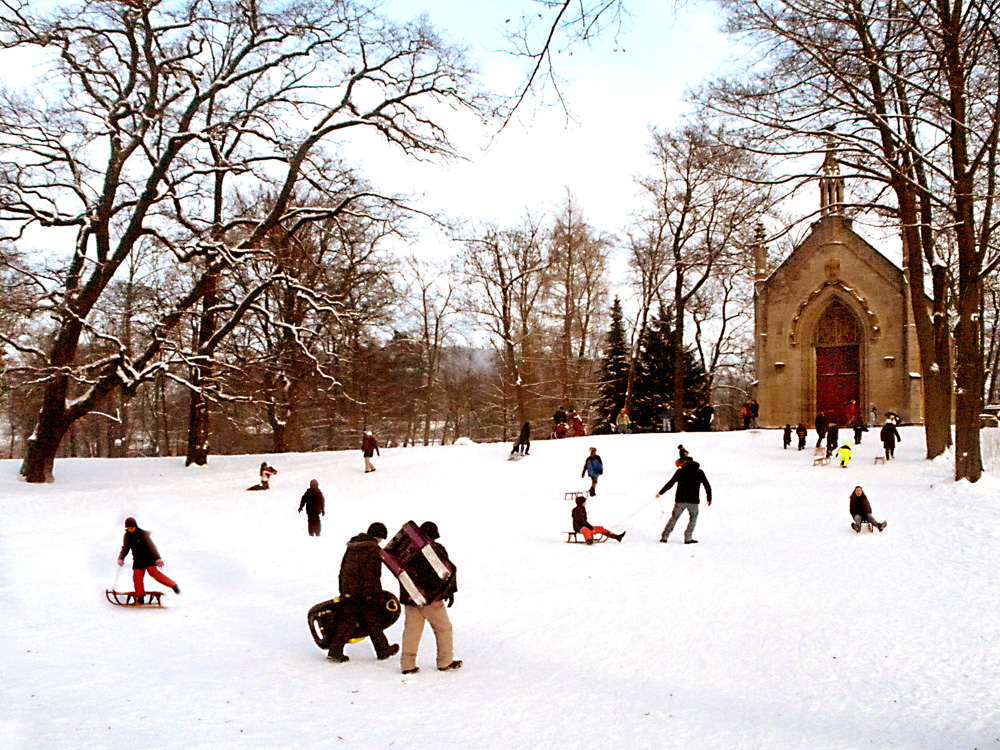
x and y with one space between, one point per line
315 505
145 559
689 477
361 594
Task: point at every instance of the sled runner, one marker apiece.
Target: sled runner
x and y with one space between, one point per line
516 456
879 459
132 600
821 460
323 619
576 537
410 557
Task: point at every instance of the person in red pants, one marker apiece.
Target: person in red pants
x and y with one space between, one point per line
145 558
582 526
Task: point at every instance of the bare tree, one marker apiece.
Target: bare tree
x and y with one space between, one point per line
148 108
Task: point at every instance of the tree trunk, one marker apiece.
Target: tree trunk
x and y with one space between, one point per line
198 421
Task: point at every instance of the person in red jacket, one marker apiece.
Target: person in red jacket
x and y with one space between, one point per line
369 446
145 558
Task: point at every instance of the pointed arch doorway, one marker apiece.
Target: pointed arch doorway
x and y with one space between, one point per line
838 363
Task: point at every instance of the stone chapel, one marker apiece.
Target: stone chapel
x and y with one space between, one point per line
833 326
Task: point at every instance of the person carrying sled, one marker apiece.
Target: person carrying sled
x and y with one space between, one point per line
861 511
361 595
266 472
689 478
582 526
593 467
315 505
802 432
523 444
369 447
433 612
844 455
145 559
786 438
889 436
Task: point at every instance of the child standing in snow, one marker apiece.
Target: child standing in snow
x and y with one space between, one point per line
861 511
889 436
803 432
145 558
369 446
593 467
315 505
582 526
786 438
844 455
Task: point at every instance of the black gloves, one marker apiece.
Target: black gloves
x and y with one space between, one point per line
450 599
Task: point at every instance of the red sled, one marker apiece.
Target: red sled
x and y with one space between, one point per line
410 556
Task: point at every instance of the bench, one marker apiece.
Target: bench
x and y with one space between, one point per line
573 537
879 459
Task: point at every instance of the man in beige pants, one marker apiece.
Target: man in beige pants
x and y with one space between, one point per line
434 612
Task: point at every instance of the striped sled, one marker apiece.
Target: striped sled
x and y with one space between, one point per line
410 556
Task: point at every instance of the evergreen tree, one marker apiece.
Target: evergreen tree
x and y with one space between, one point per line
654 379
613 379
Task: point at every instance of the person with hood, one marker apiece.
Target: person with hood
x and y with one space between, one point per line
369 446
803 432
145 559
582 526
689 478
433 612
861 511
315 505
361 595
593 467
523 444
844 455
889 436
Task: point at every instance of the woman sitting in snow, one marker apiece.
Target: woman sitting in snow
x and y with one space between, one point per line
266 472
582 526
861 511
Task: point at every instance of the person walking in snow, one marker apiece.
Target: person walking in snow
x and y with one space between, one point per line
523 444
844 455
315 505
859 427
832 436
786 437
145 559
361 595
689 478
802 432
582 526
369 447
889 436
821 423
593 467
861 511
433 612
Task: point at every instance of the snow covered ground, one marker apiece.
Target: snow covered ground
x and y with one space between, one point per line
781 629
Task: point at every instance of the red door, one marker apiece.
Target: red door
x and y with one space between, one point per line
838 381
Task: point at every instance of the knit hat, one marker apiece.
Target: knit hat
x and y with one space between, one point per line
378 530
131 522
580 499
430 529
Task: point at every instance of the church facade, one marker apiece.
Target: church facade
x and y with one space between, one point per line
833 327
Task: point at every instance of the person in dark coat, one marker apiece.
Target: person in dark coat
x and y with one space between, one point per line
889 436
433 612
315 505
821 424
361 595
523 444
266 472
689 478
593 467
145 559
582 526
832 436
754 414
861 511
369 447
786 437
803 432
859 427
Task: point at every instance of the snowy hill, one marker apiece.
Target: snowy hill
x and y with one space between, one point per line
782 628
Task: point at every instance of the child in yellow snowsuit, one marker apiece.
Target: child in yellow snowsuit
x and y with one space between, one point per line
844 455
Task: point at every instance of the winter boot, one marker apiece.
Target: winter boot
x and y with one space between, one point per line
856 527
457 664
690 541
177 589
411 671
882 525
592 492
337 656
663 540
140 600
590 541
618 537
391 651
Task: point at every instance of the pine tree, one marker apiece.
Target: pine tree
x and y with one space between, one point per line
614 373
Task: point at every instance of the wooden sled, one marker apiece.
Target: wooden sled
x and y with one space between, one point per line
821 460
572 496
879 459
863 524
574 537
131 599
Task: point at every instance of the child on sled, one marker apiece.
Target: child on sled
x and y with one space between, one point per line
582 526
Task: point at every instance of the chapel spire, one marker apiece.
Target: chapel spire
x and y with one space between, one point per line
831 184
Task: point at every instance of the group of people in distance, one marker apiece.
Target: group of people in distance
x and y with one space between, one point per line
567 423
